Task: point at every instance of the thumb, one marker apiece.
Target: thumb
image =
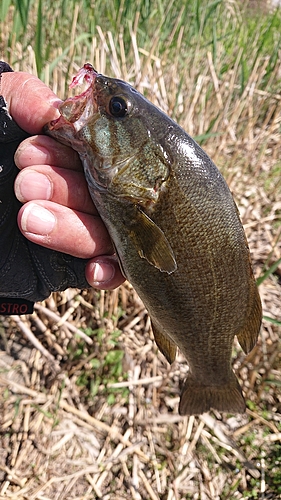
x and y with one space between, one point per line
30 102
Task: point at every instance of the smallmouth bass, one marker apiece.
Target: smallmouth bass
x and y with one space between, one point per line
176 230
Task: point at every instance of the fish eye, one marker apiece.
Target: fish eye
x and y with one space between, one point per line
118 106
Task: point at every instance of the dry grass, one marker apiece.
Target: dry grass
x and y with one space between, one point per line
60 442
77 423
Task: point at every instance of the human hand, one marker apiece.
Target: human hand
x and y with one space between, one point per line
52 187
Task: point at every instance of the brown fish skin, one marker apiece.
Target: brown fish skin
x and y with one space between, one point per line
176 230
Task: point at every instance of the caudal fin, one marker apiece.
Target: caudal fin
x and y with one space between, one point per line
197 399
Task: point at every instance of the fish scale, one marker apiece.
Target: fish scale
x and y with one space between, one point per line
176 230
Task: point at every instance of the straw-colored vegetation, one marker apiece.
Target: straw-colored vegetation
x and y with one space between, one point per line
88 405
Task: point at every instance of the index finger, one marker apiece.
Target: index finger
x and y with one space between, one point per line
30 102
44 150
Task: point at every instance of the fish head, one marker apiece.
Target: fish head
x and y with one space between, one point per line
118 135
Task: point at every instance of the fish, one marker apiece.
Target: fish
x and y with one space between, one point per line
175 228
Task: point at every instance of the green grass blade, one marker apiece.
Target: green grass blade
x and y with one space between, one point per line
272 320
22 7
209 11
270 271
4 8
38 40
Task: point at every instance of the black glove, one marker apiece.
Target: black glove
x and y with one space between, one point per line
27 270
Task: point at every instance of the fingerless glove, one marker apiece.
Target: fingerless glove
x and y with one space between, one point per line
27 270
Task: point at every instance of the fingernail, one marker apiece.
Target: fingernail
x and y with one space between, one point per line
102 272
37 220
27 151
32 185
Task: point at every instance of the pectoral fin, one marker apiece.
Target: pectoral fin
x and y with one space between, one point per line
151 243
165 345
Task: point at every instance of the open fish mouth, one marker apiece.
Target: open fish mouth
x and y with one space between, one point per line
76 111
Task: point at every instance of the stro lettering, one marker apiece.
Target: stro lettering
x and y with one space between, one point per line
12 308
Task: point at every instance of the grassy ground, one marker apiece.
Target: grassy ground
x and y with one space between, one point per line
93 412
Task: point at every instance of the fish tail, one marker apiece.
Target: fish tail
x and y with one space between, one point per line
197 398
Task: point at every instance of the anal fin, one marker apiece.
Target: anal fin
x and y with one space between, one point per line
248 336
165 345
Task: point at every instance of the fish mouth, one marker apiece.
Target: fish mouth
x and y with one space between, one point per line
76 111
